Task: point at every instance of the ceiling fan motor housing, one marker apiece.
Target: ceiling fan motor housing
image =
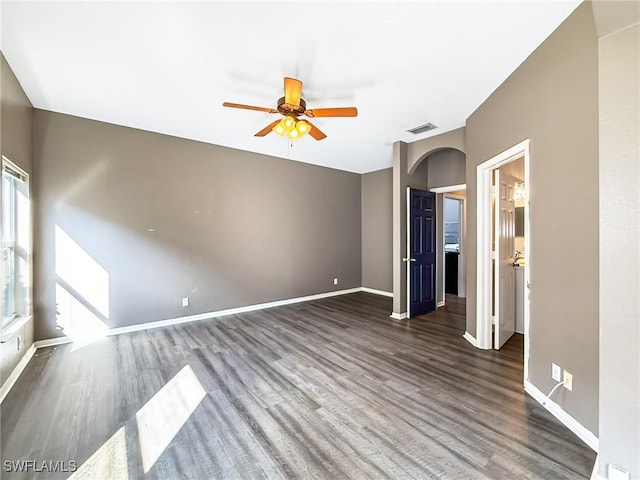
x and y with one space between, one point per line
288 109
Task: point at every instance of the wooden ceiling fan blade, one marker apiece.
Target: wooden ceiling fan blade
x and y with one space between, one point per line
267 129
249 107
332 112
292 91
315 132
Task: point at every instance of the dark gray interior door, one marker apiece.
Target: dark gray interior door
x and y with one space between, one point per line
421 255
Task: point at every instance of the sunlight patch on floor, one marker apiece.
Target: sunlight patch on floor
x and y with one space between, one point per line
109 461
162 417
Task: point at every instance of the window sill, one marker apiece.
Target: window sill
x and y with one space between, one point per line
13 327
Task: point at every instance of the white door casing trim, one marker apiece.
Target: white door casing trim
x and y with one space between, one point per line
447 192
469 338
407 258
449 188
462 272
483 248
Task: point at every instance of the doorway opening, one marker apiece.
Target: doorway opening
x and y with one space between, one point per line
503 252
453 231
451 251
508 251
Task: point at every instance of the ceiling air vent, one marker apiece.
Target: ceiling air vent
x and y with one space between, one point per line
422 128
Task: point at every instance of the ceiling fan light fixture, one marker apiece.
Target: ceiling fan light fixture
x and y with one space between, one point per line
288 123
291 106
302 127
279 129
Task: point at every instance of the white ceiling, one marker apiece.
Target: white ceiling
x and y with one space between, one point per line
167 67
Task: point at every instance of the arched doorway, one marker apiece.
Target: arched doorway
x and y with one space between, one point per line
411 170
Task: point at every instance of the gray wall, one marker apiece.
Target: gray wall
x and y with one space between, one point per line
231 228
418 150
15 142
446 168
619 245
377 230
402 180
552 98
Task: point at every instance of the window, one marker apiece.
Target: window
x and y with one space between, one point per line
16 243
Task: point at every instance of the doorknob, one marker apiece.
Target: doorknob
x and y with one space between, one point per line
408 259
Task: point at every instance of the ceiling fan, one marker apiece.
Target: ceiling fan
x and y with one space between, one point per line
291 106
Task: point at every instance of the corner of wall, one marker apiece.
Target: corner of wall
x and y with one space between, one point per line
16 141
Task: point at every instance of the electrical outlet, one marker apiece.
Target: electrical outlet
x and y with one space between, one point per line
335 281
568 381
185 302
556 372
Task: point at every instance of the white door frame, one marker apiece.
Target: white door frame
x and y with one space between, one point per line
462 288
483 254
446 191
407 259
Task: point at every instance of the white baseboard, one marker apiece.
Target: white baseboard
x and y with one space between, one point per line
176 321
567 420
50 342
17 371
398 316
594 473
440 304
228 311
470 338
377 292
218 313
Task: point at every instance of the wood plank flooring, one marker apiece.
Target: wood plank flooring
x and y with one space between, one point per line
329 389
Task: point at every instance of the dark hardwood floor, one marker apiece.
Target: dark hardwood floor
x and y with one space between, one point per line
329 389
